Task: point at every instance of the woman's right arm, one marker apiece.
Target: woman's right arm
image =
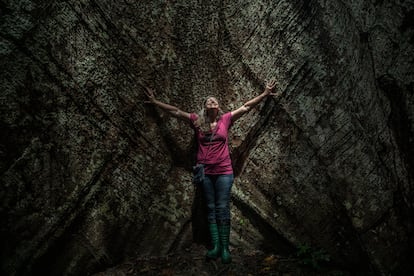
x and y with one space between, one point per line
174 111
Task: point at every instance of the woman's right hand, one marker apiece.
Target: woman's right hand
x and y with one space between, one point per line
174 111
150 94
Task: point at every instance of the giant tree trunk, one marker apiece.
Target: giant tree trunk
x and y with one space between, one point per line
91 175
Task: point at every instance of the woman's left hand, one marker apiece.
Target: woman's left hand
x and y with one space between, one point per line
270 86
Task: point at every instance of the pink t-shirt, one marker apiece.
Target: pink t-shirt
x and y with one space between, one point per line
215 154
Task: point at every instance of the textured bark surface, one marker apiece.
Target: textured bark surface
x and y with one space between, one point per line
91 176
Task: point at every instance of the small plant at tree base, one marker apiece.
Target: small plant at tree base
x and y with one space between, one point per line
311 256
242 224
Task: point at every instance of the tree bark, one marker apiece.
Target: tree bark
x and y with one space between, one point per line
91 175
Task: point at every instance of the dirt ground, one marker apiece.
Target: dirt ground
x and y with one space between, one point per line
192 262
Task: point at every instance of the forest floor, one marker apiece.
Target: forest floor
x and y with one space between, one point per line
192 262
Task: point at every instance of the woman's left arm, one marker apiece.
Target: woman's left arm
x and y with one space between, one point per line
246 107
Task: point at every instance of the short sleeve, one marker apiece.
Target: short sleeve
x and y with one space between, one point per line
227 120
193 118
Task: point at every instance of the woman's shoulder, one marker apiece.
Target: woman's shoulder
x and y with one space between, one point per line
193 119
193 116
226 119
226 116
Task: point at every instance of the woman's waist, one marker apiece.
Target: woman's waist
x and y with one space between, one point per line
215 161
219 168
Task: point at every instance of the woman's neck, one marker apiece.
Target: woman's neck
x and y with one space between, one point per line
212 119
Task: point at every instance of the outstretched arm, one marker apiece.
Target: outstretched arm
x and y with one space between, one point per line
246 107
174 111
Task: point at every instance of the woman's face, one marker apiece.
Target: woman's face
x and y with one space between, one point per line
212 103
212 106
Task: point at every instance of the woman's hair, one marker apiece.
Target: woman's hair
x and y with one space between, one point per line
203 121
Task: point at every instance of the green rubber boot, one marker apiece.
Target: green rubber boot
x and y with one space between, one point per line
224 233
215 252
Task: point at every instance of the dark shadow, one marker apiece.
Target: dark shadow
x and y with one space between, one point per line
199 218
273 242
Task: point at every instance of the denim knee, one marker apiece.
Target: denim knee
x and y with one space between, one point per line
217 194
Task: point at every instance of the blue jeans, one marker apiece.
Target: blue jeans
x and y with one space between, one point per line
216 190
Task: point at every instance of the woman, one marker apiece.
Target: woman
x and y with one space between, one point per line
211 127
